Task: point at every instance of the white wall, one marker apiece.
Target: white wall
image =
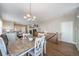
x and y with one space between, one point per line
54 24
76 28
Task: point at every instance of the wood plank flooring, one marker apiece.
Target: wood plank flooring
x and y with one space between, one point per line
61 49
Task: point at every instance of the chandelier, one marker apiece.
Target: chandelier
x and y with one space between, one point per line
29 16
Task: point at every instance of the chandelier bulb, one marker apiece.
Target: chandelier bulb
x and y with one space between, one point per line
28 15
34 17
25 17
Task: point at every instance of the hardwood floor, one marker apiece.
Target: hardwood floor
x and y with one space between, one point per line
61 49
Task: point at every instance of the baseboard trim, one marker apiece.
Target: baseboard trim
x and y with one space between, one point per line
68 42
77 46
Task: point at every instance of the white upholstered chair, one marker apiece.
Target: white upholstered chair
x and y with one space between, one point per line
38 49
3 48
43 34
12 36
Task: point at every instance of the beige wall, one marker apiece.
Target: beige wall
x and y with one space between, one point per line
7 25
19 27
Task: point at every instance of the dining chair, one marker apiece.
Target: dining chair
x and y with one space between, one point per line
3 47
44 42
0 53
12 36
38 49
5 39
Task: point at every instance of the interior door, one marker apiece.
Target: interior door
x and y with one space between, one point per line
67 31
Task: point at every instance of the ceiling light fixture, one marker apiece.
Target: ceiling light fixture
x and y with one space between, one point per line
77 16
29 16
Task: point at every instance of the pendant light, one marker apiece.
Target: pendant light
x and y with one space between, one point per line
29 16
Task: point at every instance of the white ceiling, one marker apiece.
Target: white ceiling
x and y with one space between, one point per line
43 11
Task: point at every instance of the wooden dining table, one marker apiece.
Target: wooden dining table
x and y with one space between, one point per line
19 47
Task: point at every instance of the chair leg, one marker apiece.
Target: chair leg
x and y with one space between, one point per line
45 47
41 54
28 54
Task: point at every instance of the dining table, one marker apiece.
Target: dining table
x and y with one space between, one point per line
20 46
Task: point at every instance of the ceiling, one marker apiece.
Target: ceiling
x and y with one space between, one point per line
43 11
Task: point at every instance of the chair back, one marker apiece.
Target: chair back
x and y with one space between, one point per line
12 36
5 39
39 43
2 48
